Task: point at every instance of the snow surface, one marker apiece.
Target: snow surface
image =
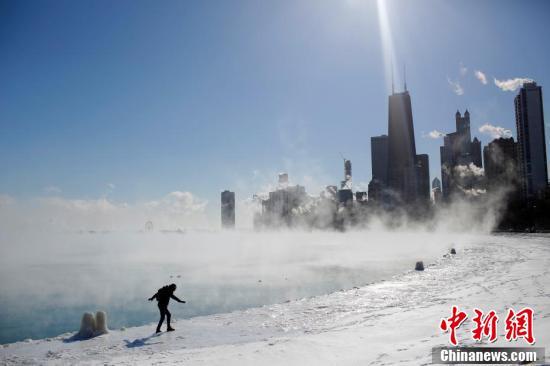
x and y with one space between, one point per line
384 323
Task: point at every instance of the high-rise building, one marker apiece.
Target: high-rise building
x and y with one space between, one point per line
436 190
379 158
531 141
501 168
281 205
475 151
463 125
346 183
422 167
345 195
228 209
283 179
459 150
402 179
361 196
376 192
436 183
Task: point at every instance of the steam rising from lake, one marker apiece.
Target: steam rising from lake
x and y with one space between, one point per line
61 257
48 279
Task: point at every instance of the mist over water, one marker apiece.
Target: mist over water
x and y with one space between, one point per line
48 280
60 258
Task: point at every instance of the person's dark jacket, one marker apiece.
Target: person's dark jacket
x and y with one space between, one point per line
164 294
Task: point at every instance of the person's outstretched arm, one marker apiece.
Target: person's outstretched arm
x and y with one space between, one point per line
153 297
176 298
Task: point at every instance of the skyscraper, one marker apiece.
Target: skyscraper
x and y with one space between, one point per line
459 150
463 125
401 147
345 195
379 158
436 190
346 183
436 183
228 209
375 192
531 141
475 151
501 168
422 167
279 208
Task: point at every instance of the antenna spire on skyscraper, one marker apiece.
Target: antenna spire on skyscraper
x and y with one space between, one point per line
392 86
405 76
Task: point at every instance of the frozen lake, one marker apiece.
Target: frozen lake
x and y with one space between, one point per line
385 323
47 281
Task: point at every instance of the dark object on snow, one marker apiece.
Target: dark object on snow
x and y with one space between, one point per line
453 251
163 297
419 266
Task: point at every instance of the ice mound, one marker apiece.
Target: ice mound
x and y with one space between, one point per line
100 323
87 326
91 326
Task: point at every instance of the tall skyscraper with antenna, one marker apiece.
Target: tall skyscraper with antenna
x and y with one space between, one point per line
402 177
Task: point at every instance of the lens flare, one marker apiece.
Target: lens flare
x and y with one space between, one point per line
386 40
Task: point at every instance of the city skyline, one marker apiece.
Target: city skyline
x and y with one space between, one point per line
205 128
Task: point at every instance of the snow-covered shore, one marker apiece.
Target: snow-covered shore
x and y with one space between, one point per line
389 322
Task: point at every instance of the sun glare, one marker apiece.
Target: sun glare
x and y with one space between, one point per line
386 40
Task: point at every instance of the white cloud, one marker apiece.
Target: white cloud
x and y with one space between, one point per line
6 200
173 211
52 190
463 69
179 203
511 84
109 189
455 86
435 134
481 77
495 131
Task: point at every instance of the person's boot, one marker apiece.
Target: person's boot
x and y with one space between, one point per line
158 330
170 329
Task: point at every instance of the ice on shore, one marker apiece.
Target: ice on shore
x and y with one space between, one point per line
87 326
101 323
389 322
92 326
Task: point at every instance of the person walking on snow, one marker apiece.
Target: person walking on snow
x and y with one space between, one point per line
163 296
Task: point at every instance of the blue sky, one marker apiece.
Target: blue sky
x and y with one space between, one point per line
136 99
